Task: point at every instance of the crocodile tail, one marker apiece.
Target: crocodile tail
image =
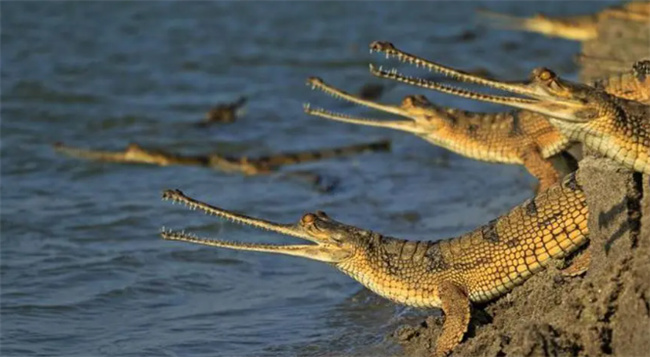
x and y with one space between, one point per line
322 154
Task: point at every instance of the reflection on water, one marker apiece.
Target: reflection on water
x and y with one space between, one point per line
83 271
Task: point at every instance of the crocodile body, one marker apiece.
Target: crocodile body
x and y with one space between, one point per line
611 125
579 28
249 166
515 137
449 274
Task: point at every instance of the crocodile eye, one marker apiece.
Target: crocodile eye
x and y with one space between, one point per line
322 214
545 74
308 218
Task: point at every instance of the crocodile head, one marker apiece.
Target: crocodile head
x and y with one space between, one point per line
422 115
330 241
225 113
221 114
544 93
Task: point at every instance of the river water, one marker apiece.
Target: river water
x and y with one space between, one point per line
83 270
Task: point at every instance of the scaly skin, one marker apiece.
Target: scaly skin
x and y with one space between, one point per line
580 28
257 166
631 85
615 127
449 274
518 137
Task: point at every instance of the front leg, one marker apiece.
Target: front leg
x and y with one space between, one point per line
456 306
541 168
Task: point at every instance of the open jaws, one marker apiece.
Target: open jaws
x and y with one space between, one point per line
540 98
321 250
317 83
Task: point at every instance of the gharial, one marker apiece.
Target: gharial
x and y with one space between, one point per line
632 84
225 113
608 124
522 138
516 137
448 274
135 153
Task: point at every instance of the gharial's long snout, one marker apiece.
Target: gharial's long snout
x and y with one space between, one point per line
544 93
405 125
323 249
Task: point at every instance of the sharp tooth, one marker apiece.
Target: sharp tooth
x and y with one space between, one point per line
387 56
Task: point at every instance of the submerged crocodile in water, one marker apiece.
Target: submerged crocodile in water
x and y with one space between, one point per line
224 113
449 274
134 153
580 28
609 124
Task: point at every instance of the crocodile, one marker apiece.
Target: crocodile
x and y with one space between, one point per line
632 84
134 153
450 274
607 123
579 28
224 113
516 137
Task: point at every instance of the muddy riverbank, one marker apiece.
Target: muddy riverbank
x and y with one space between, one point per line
606 312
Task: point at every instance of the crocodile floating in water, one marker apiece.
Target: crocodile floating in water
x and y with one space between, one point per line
134 153
580 28
609 124
224 113
448 274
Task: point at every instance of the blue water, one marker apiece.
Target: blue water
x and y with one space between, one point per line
83 270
